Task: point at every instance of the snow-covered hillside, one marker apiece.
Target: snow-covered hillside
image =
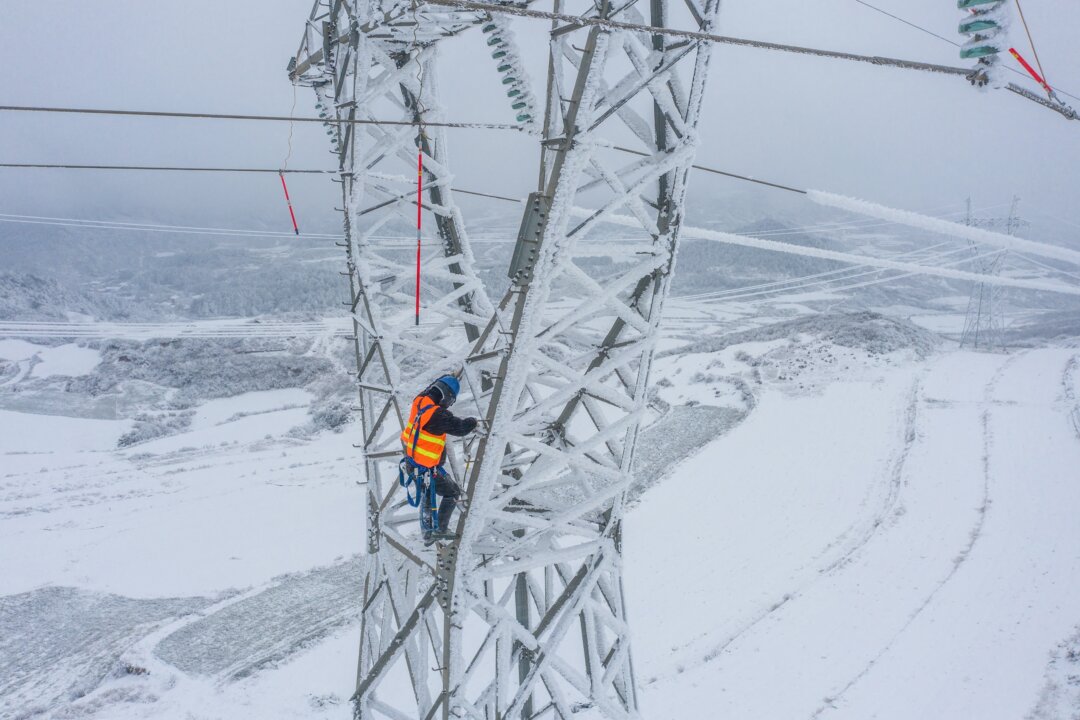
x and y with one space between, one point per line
834 516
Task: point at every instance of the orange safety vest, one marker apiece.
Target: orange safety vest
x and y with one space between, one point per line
421 447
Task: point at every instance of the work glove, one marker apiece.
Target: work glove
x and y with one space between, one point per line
470 424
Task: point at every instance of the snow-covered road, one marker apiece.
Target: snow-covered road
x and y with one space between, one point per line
927 570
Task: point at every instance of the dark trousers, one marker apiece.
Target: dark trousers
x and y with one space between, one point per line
448 490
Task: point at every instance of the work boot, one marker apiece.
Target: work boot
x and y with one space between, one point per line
439 536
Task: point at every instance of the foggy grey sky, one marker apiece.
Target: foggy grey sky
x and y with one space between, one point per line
911 140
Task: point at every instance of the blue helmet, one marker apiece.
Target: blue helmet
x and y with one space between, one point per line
449 387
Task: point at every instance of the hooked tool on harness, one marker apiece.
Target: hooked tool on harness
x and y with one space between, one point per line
410 474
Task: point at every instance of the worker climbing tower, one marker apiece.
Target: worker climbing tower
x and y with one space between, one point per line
524 615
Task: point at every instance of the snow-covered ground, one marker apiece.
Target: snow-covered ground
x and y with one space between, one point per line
832 518
42 361
927 570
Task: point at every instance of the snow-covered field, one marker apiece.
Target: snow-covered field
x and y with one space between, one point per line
929 569
833 518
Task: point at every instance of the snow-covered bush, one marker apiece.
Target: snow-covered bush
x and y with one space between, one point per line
150 426
331 416
203 369
869 331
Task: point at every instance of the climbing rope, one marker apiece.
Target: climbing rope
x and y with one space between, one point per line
285 164
292 125
420 110
1031 42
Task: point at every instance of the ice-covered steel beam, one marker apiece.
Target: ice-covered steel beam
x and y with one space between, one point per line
534 586
371 60
525 614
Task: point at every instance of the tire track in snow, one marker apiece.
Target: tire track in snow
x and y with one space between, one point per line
830 702
1060 696
58 644
895 483
870 529
1071 380
266 625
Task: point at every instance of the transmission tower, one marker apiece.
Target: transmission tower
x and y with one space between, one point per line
984 322
524 616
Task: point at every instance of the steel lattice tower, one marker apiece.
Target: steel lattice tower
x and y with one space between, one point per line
984 321
524 616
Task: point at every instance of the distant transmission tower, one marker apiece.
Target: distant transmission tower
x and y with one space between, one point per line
984 324
523 617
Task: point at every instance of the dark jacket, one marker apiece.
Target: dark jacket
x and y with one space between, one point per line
442 421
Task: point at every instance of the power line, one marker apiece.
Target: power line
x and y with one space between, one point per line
722 172
695 35
266 118
779 285
487 195
909 23
954 43
61 166
844 283
164 168
156 227
232 328
579 21
847 257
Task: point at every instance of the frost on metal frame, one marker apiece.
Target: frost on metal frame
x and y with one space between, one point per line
360 77
524 615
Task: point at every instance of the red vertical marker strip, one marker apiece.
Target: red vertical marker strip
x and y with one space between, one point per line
289 203
1031 70
419 220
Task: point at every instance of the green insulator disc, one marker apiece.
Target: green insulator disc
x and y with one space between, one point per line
495 40
509 80
520 105
498 54
513 92
977 25
489 28
967 4
978 51
524 118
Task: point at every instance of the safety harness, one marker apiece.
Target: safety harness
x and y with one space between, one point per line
410 474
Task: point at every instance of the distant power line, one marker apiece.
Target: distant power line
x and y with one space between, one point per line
167 168
263 118
62 166
164 168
